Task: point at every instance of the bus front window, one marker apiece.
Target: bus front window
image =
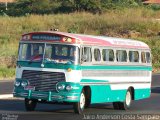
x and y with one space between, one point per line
31 52
62 53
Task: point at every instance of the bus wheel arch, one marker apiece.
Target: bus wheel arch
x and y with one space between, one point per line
132 92
85 100
30 104
125 105
87 91
80 105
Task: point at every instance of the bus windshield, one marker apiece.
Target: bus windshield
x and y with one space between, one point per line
49 53
59 53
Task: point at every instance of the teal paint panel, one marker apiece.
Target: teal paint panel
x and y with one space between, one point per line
142 93
78 67
99 94
116 67
91 80
102 94
105 94
47 65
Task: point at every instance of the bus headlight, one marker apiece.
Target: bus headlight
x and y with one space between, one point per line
61 87
17 83
68 87
24 84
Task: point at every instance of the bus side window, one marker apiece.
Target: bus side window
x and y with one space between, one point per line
108 55
133 56
121 56
143 58
97 55
25 55
148 57
86 55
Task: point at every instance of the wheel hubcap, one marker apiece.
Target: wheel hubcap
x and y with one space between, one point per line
82 101
128 99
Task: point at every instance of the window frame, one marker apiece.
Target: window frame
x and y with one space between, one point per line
126 59
82 53
134 57
109 49
98 57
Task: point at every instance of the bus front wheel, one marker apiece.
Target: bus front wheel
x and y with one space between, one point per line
79 106
30 104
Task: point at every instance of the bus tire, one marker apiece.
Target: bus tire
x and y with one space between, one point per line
116 105
128 100
79 106
30 104
88 102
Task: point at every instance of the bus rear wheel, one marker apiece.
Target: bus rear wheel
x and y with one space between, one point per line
79 106
30 104
125 105
116 105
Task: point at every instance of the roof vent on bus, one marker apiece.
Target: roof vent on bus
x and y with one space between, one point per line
55 29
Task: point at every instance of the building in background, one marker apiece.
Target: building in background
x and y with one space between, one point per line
151 1
6 2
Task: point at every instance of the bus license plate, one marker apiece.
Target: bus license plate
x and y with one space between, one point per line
29 88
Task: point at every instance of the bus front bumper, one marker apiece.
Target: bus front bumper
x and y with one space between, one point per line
48 96
24 90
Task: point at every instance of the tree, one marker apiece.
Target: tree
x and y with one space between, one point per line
22 7
81 5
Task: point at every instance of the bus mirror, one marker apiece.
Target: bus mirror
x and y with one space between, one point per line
84 58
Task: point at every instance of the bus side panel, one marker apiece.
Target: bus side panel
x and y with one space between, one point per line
101 94
105 94
142 93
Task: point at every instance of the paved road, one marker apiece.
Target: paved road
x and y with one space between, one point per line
156 80
47 111
6 87
141 109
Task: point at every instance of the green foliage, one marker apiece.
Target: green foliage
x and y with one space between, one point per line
155 7
93 6
7 72
25 7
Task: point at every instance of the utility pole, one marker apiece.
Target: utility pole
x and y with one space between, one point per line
6 3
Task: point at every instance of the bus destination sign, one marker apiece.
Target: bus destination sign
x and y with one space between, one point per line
45 37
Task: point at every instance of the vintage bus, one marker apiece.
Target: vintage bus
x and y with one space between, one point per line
58 67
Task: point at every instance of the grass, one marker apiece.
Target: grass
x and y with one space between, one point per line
117 23
7 73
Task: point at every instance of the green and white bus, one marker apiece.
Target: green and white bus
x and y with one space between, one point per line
58 67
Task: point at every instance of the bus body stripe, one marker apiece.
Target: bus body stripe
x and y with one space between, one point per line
117 73
88 67
110 83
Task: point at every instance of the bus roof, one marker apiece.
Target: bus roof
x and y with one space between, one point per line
92 40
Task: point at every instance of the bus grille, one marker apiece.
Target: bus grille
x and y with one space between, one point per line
42 80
